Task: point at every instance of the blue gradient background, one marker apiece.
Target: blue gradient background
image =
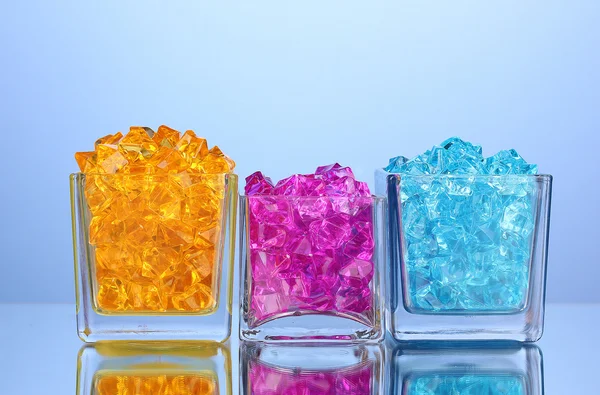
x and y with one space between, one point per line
284 87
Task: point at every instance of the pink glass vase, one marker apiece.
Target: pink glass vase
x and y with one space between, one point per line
311 268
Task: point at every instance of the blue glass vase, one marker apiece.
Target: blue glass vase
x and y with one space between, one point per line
467 255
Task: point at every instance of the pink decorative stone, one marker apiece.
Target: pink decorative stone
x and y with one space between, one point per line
333 172
267 380
256 184
310 245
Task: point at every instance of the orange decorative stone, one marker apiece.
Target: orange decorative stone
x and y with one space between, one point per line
156 202
192 148
155 383
165 136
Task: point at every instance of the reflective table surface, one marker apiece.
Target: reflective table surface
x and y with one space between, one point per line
41 353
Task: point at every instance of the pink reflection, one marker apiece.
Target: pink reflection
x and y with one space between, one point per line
266 380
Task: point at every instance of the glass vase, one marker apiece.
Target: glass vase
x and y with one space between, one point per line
467 255
160 369
311 268
153 255
267 369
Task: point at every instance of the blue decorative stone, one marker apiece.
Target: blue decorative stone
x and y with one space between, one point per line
467 224
508 162
469 384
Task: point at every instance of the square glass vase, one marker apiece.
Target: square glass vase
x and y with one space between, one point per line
311 269
467 255
348 369
514 370
153 256
167 368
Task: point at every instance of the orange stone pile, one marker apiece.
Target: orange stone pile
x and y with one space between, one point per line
162 384
156 203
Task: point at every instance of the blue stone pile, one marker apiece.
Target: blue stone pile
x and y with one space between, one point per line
455 156
467 224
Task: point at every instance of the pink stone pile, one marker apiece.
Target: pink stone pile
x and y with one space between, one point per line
310 245
266 380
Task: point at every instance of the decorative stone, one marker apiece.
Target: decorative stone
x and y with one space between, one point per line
508 162
257 184
192 148
467 229
155 220
310 245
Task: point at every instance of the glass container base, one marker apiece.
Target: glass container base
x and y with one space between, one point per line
312 328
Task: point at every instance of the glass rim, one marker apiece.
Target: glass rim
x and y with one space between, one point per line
309 197
463 176
76 174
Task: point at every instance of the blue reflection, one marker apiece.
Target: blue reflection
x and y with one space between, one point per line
507 369
466 384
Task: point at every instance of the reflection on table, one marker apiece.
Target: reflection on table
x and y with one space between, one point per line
466 370
311 369
154 368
